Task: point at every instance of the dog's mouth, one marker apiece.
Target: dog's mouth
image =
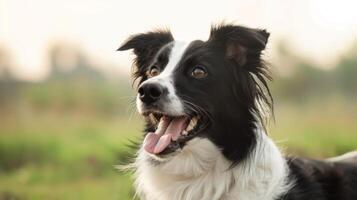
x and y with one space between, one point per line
170 134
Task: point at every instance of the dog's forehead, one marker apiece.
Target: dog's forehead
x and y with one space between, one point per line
174 53
177 51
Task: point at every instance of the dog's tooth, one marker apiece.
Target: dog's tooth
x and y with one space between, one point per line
153 119
162 126
191 125
194 121
188 128
162 118
184 132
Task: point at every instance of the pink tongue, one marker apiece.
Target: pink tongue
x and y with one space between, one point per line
168 130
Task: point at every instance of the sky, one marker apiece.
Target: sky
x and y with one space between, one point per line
320 30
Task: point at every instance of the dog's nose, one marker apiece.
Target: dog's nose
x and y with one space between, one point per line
150 92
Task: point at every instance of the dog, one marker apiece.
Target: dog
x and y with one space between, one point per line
205 105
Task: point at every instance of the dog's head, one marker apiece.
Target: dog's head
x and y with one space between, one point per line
211 89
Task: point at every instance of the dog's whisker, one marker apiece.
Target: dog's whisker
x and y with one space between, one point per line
205 105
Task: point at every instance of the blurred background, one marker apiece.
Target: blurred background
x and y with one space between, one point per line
66 111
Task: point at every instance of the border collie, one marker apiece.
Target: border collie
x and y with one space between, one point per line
205 105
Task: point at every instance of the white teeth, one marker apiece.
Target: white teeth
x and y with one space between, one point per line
192 124
153 119
162 126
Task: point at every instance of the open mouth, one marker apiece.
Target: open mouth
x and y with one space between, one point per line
171 133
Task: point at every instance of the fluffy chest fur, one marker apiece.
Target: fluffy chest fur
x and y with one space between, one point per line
204 103
200 171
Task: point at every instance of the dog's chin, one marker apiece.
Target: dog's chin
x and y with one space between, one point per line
160 125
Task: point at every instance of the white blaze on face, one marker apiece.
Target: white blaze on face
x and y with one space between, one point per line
173 106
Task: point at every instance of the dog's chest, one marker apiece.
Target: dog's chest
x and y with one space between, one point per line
201 172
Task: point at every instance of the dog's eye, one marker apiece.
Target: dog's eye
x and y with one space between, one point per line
154 71
199 72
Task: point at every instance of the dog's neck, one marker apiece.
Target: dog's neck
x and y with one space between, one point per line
200 171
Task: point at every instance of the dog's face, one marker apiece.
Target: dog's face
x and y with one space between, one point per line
200 88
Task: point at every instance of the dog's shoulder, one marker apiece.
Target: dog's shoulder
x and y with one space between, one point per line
322 179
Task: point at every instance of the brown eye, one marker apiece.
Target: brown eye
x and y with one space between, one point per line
154 71
199 72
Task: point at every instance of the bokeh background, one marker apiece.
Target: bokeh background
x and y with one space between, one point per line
66 101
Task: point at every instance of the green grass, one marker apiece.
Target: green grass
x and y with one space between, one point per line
317 130
63 156
48 183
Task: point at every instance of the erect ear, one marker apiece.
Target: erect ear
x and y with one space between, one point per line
146 45
239 43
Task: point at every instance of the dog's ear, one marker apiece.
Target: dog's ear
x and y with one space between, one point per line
145 46
244 46
239 43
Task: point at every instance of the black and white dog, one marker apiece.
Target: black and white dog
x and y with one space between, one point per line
204 103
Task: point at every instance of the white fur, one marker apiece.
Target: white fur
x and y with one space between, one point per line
200 171
347 157
174 106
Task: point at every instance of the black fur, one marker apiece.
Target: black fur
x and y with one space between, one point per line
232 54
146 46
321 180
229 101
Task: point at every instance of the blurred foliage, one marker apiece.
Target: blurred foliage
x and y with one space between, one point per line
307 81
43 157
61 138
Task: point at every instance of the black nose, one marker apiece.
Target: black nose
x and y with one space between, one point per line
150 92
